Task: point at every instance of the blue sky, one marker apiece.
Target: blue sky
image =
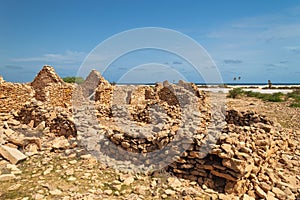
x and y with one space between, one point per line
257 40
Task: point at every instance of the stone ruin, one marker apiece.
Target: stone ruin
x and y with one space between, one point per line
91 83
13 96
244 154
49 87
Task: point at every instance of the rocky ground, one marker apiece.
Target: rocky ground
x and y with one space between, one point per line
52 150
280 112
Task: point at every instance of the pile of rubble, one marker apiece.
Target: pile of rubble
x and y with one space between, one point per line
245 160
143 128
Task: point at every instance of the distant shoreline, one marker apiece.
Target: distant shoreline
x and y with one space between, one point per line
225 88
223 84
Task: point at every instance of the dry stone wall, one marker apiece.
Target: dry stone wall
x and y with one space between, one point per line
50 88
91 83
13 96
44 78
60 95
103 97
58 119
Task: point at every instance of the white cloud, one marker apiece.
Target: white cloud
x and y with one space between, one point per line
285 25
294 49
263 43
68 57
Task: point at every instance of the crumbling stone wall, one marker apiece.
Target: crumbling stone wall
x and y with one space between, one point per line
58 119
151 105
50 88
241 158
103 98
44 78
60 95
13 96
91 83
246 118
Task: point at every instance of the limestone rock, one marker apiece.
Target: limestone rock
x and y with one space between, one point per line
170 192
7 177
260 192
174 182
11 154
279 193
128 180
60 143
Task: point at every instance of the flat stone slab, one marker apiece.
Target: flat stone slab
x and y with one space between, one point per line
7 177
11 154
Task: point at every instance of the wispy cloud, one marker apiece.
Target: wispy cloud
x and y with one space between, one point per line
264 43
293 49
271 65
232 61
68 57
267 27
14 67
283 62
177 63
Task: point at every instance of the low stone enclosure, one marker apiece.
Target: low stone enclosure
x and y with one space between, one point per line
177 128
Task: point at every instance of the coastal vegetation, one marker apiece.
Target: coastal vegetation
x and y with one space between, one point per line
293 97
73 79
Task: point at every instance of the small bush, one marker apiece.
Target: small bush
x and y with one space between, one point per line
294 95
295 105
276 97
113 83
73 79
252 94
235 92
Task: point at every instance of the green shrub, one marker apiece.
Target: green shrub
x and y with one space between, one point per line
113 83
295 105
294 95
73 79
253 94
276 97
235 92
